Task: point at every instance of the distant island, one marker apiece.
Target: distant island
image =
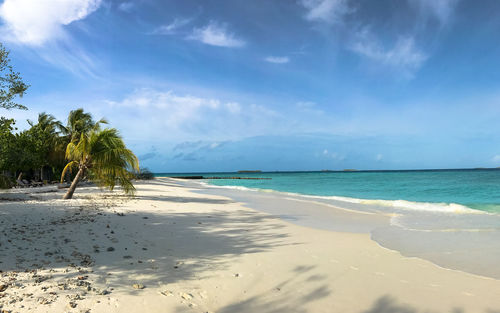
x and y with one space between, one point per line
256 171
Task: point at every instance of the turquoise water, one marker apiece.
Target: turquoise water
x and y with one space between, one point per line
476 189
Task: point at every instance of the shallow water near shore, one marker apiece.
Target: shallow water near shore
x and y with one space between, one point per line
459 238
432 190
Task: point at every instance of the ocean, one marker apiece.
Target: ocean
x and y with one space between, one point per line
448 190
449 217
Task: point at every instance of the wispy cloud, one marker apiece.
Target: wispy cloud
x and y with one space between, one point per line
37 22
439 9
172 28
333 155
126 6
216 34
328 11
403 55
277 60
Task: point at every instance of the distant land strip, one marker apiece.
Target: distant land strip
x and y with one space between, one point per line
218 177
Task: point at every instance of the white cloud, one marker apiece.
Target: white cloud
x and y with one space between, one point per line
216 34
233 107
329 11
308 107
496 158
305 105
379 157
175 110
277 60
333 155
440 9
37 22
171 28
153 113
126 6
404 55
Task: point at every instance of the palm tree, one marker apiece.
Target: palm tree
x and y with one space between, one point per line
46 138
102 156
79 122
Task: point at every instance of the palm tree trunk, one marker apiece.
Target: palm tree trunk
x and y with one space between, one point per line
71 190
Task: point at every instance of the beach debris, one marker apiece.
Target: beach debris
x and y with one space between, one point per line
186 296
109 249
43 300
167 293
3 287
236 275
138 286
127 256
72 305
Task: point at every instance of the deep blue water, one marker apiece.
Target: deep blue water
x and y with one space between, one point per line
476 189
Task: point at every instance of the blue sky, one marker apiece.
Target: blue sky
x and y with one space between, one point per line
218 85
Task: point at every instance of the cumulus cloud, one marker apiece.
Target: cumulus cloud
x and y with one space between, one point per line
216 34
403 55
179 108
277 60
172 28
328 11
37 22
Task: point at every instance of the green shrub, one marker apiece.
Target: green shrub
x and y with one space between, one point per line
144 174
5 182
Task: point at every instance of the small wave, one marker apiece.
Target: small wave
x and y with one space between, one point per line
410 205
396 205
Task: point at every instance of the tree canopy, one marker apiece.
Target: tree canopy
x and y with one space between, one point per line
11 83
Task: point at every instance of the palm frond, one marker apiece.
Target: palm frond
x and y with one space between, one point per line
66 168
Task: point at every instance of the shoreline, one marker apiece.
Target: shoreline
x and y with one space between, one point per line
193 252
455 240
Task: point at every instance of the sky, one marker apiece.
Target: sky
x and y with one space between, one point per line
213 85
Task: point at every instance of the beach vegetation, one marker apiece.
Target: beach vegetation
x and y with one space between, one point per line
11 83
101 156
144 174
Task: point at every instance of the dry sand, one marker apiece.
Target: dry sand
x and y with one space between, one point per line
170 249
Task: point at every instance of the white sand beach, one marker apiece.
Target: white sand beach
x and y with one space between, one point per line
171 249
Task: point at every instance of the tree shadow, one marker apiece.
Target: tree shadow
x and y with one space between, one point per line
184 199
57 234
292 295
